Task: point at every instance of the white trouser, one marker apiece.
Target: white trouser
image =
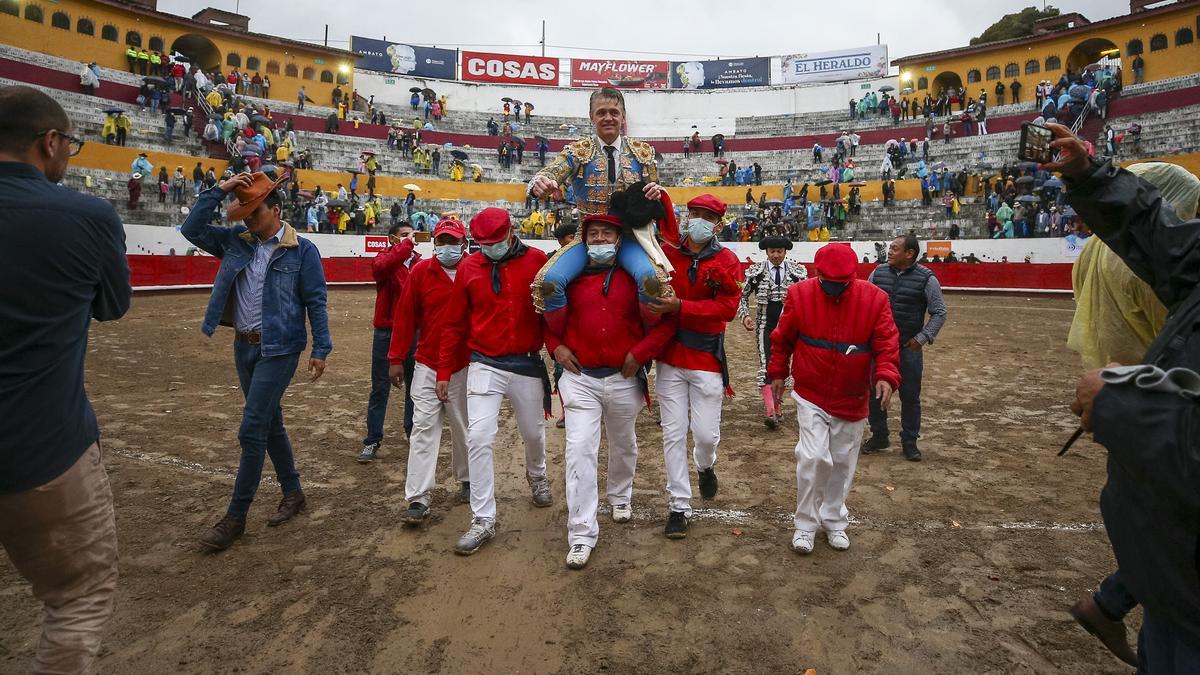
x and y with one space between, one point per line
586 401
682 391
486 386
826 456
426 438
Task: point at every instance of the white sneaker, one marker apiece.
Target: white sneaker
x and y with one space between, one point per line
481 530
802 542
578 556
838 540
622 513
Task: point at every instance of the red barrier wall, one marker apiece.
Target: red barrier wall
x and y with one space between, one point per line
158 271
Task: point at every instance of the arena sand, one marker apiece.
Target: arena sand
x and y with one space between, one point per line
966 562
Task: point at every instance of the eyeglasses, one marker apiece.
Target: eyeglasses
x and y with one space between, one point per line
73 144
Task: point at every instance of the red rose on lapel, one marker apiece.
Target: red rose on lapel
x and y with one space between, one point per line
719 281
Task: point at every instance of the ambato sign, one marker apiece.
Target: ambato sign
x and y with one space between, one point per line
509 69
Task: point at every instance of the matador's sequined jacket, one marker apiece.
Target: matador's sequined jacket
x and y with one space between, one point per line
583 165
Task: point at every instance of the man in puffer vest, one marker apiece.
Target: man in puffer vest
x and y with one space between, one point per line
913 292
837 332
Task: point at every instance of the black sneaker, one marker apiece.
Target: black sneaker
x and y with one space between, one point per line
415 514
708 482
771 422
911 452
463 496
677 525
874 444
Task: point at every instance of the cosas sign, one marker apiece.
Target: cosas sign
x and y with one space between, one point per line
376 244
510 68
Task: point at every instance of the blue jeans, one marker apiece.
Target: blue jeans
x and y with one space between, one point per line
1113 598
381 388
911 367
630 256
264 379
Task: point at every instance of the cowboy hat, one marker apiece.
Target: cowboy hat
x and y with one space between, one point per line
249 197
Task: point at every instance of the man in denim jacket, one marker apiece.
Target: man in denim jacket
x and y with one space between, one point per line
269 278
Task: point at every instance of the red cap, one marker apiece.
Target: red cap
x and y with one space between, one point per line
490 225
708 202
836 262
451 227
601 218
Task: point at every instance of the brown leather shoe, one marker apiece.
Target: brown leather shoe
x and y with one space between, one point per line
1112 633
290 506
222 535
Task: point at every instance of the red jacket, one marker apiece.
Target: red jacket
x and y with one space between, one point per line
825 374
390 274
477 319
708 304
602 329
421 311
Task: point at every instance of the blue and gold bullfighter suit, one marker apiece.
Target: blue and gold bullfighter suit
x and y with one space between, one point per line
583 165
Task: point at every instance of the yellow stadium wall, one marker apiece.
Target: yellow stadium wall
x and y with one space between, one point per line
69 43
1174 61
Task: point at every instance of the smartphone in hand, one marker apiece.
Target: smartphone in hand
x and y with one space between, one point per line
1035 143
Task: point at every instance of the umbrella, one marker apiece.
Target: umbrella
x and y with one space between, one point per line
1029 166
259 119
112 111
887 87
1028 199
1024 180
541 139
823 181
306 194
177 111
1053 182
477 167
694 126
658 156
858 183
721 161
458 154
250 153
337 203
718 137
775 202
891 143
356 172
428 93
414 90
906 90
939 165
1093 66
1068 211
368 152
412 186
154 80
507 99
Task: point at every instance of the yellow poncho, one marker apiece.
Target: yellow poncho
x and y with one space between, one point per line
1117 315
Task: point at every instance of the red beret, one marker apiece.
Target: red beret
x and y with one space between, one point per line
601 218
451 227
836 262
708 202
490 225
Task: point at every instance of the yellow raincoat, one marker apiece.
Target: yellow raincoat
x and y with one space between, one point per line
1117 315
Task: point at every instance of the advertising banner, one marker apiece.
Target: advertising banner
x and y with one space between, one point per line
375 244
846 64
402 59
755 72
619 73
510 69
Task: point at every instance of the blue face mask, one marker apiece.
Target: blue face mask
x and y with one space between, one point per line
494 251
699 230
448 255
834 288
602 254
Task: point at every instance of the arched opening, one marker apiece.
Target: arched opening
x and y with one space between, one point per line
133 38
1033 67
973 75
1090 51
291 70
10 7
156 44
310 73
946 81
993 73
1157 43
1183 36
1053 63
60 20
327 76
1012 70
34 13
85 27
1134 47
233 60
199 50
922 83
253 63
109 32
272 67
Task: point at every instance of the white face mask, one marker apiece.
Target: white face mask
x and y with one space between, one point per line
449 254
494 251
699 230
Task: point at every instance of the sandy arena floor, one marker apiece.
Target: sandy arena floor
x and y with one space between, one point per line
966 562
